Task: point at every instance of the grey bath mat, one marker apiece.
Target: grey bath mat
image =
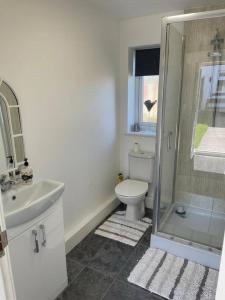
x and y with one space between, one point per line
173 277
116 227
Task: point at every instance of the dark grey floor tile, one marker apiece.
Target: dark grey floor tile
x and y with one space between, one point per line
146 237
92 241
131 263
89 285
125 291
148 213
73 269
157 297
111 258
82 255
97 261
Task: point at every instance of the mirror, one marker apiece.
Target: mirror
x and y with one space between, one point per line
12 151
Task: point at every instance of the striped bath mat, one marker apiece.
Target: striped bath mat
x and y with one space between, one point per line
116 227
173 277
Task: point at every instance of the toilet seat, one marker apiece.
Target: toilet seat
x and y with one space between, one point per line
131 188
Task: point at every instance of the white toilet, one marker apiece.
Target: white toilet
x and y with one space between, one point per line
133 190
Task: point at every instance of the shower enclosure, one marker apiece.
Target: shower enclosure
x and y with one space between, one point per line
189 197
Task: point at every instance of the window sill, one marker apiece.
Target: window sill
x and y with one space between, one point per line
146 133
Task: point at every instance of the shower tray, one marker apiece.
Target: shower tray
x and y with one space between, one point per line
197 235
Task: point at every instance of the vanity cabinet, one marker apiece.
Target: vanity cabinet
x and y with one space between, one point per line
38 258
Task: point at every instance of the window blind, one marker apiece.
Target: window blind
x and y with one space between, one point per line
147 62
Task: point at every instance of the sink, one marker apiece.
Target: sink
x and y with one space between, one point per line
22 203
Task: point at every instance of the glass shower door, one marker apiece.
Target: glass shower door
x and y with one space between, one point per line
170 120
191 182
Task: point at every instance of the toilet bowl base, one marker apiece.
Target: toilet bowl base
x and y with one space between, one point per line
135 212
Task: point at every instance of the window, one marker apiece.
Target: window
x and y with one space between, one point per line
146 87
147 98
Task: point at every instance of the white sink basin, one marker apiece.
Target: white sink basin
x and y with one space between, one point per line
23 203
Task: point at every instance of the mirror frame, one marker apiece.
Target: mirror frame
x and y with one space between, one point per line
16 164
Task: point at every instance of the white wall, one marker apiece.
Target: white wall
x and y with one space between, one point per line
136 32
61 58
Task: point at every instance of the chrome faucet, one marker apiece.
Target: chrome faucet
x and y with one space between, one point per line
6 182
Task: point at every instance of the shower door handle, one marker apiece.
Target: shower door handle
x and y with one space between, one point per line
169 140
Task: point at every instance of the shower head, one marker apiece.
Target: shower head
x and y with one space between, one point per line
217 42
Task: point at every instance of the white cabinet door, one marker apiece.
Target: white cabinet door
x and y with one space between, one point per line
26 267
53 257
40 275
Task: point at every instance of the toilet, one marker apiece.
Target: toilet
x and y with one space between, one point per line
133 191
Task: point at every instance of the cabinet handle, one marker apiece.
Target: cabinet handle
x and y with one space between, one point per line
36 249
42 227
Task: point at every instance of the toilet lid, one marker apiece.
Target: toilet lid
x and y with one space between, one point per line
131 188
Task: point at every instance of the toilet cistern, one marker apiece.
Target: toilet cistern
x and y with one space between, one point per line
133 191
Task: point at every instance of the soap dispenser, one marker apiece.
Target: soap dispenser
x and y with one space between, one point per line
26 172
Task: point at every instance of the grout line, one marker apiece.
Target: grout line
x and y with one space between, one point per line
106 291
101 272
74 279
88 265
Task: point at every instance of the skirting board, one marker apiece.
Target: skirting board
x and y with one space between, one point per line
81 230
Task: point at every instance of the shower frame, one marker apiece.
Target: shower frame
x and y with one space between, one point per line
166 21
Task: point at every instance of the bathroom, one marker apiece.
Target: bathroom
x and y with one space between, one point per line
71 66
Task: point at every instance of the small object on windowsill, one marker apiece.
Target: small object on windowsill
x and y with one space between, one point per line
136 147
136 127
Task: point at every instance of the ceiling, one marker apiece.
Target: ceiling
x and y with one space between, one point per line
135 8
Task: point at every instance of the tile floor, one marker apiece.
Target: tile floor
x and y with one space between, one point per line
98 269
